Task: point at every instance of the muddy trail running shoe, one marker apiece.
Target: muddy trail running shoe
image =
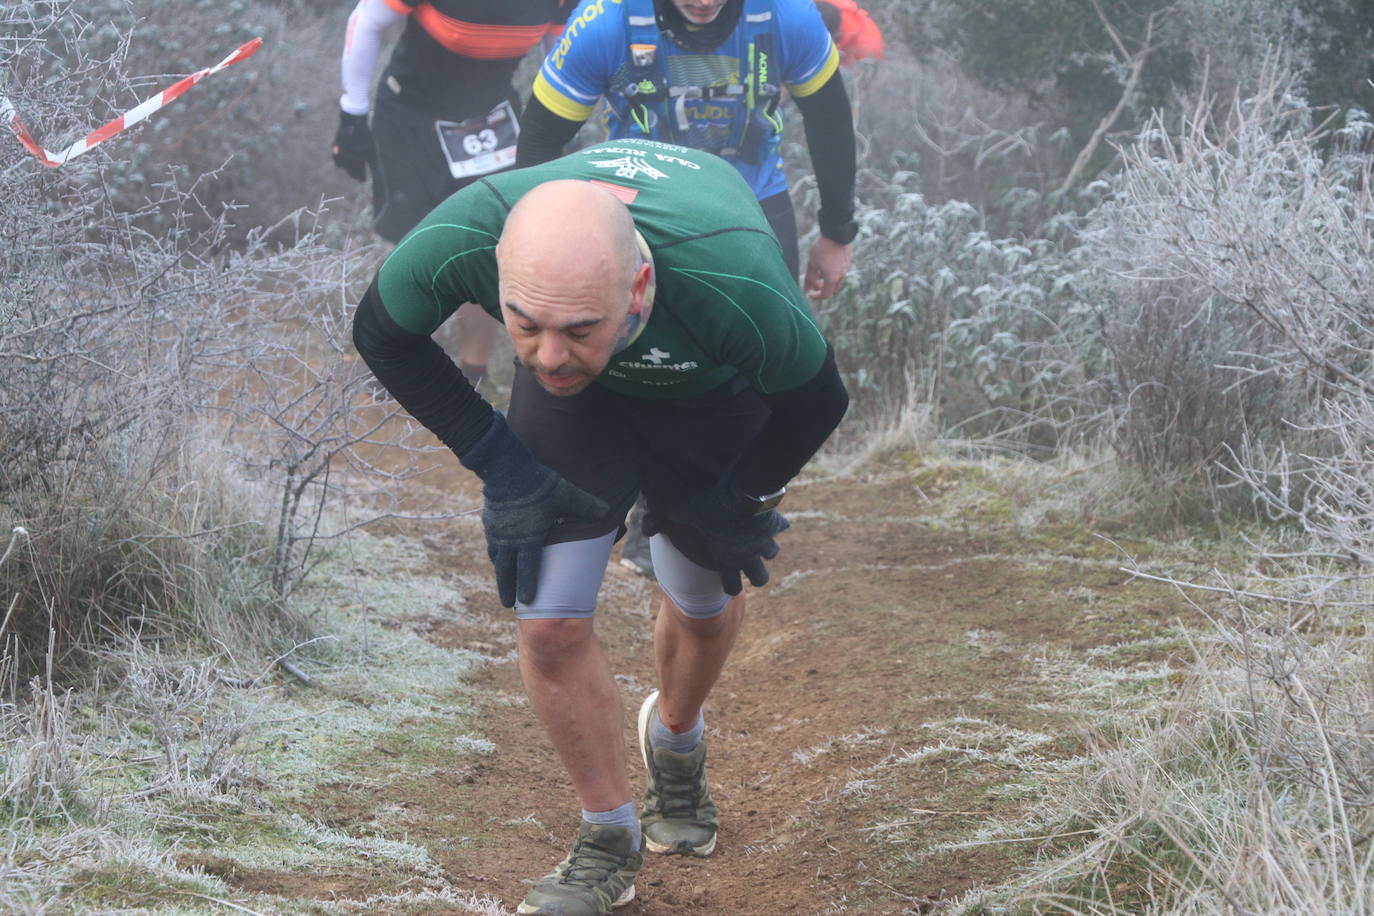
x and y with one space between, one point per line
597 875
679 817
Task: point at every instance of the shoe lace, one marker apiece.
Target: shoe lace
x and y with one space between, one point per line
590 864
679 793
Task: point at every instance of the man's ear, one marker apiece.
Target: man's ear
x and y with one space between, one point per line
639 287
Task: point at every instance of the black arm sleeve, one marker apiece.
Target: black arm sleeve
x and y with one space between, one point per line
543 134
829 123
801 420
420 376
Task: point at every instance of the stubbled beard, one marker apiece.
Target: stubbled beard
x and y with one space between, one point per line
540 376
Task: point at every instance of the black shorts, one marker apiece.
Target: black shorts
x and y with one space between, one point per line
410 176
613 446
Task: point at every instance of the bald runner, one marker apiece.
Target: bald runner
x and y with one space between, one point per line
663 346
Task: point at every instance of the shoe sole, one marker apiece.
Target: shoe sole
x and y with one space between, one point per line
645 571
624 898
647 709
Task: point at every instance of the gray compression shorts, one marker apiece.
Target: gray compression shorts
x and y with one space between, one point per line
570 575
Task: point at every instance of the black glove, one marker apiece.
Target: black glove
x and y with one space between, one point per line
352 145
522 500
739 542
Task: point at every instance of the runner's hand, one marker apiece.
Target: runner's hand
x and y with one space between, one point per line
522 500
352 145
826 267
739 542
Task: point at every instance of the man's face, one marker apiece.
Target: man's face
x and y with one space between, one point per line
565 348
699 12
567 339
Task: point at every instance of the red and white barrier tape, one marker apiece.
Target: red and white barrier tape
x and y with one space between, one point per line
131 117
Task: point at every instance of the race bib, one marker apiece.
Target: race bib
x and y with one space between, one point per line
480 146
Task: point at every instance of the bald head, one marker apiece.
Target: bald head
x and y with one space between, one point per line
571 279
570 231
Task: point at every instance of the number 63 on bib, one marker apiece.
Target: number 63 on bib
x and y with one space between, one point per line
481 145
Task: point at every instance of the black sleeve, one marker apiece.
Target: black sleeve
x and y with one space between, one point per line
829 124
420 376
801 420
543 134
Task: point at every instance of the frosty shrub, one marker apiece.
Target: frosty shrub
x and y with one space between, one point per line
1322 481
128 336
1233 265
1098 69
989 328
1253 795
196 726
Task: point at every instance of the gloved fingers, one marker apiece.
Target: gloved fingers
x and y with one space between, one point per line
756 571
780 522
356 168
768 551
729 580
504 562
573 500
352 145
527 560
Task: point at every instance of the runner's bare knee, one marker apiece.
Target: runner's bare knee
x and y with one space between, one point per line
549 644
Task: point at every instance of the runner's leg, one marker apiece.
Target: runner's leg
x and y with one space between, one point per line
571 688
409 174
690 655
567 676
476 335
692 635
696 628
569 683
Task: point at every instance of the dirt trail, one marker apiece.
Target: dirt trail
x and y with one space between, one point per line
899 600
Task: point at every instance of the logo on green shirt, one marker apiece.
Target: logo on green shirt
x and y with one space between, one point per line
630 167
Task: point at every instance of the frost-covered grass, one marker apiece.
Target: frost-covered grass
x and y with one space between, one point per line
1243 791
963 783
830 745
1232 777
113 793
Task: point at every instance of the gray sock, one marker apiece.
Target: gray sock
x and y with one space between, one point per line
661 735
624 816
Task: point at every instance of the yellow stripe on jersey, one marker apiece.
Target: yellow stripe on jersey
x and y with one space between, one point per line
832 63
559 103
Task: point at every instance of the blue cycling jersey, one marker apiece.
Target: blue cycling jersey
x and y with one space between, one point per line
707 101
